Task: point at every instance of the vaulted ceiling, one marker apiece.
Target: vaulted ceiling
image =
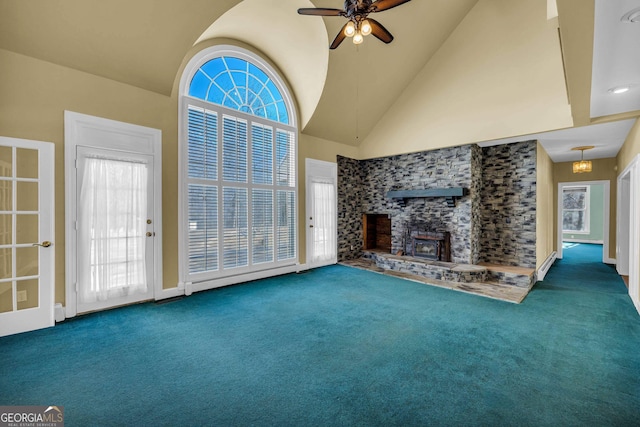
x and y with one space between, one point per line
354 93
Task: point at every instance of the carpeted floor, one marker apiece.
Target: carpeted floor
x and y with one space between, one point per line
338 346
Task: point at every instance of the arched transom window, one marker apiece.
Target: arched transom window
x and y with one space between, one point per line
239 85
238 147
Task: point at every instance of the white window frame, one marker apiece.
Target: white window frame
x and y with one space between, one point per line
202 281
587 209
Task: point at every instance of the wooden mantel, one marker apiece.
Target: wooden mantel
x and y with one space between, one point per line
450 194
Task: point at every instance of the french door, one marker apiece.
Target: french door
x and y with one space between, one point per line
115 228
26 235
322 232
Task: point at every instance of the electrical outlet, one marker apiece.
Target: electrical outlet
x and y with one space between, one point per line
22 296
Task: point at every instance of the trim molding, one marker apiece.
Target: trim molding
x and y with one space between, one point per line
595 242
606 215
91 132
169 293
240 278
546 265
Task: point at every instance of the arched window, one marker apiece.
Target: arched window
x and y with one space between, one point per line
239 85
238 161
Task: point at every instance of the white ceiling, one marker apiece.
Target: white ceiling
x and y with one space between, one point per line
607 138
616 62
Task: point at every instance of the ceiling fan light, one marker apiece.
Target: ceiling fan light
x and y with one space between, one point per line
358 38
350 29
365 27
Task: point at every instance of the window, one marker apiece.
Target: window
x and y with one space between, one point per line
239 149
575 209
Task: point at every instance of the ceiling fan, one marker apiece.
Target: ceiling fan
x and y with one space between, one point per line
359 24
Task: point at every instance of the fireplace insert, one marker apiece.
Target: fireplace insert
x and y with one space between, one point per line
426 248
434 246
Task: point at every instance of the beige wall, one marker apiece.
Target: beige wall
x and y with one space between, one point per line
603 170
509 81
631 147
544 206
310 147
35 95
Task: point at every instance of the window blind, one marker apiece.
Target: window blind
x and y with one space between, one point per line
241 178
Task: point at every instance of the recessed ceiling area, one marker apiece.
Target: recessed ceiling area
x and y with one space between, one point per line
607 138
615 66
616 62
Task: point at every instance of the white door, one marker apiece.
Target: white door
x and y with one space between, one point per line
115 228
27 284
321 206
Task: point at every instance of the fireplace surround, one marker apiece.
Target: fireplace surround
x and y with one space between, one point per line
495 222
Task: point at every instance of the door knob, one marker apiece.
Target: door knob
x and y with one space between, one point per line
44 244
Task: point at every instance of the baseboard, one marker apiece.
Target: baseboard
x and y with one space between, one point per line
610 261
546 265
170 293
595 242
59 312
240 278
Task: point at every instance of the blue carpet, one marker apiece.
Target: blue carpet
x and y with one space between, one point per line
340 346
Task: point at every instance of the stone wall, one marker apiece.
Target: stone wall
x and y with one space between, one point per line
475 193
495 223
444 168
349 208
509 204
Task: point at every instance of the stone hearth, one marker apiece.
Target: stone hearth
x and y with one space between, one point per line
511 284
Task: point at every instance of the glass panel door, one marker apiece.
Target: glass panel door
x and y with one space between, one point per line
26 234
322 217
115 228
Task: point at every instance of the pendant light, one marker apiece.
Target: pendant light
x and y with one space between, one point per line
582 166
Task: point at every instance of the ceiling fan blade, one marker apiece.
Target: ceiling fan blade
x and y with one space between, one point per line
339 38
381 5
320 11
380 31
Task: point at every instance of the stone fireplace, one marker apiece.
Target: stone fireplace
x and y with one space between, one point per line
419 239
492 220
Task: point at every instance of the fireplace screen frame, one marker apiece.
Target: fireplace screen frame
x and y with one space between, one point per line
435 244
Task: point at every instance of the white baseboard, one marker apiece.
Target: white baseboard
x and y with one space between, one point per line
170 293
610 261
595 242
240 278
546 265
59 312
